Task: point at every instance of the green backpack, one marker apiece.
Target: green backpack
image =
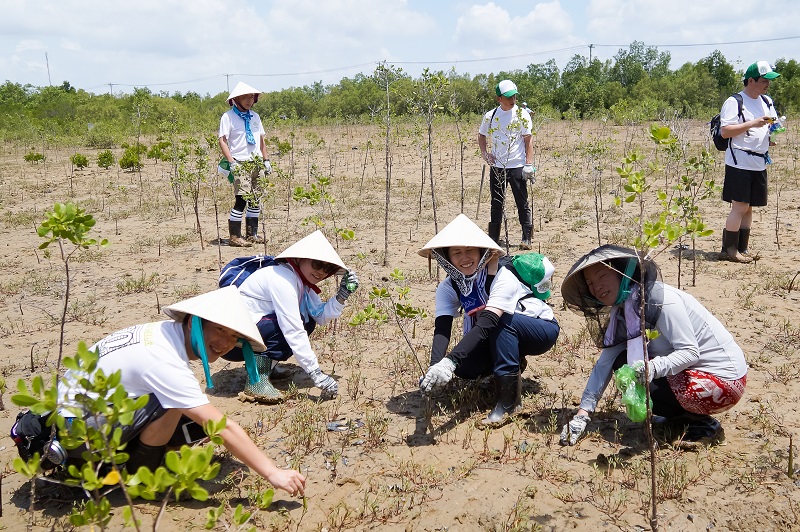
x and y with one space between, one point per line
534 270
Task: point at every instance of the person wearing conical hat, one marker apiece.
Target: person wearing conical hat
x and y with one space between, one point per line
241 138
504 320
695 368
155 359
284 302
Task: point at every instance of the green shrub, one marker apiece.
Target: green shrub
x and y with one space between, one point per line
130 159
105 159
160 151
99 140
79 160
34 157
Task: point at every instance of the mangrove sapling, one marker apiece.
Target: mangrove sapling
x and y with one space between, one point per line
192 170
428 99
67 222
384 76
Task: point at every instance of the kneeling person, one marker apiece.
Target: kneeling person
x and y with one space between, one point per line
154 359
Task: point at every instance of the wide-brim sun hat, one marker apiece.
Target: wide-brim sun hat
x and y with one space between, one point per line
574 289
316 247
223 306
461 232
241 89
760 69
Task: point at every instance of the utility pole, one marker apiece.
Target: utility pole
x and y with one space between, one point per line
228 82
590 53
111 89
47 62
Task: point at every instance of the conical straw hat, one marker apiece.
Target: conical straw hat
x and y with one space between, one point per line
223 307
314 246
574 289
461 232
241 89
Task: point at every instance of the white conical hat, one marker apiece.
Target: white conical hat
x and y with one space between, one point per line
314 246
461 232
241 89
224 307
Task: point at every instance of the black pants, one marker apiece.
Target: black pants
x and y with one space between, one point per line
498 179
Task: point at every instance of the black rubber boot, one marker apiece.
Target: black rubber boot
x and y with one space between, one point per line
144 455
730 247
494 232
509 395
251 230
235 231
526 237
744 241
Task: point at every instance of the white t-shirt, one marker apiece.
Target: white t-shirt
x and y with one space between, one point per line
508 128
758 138
231 126
279 290
506 293
689 337
152 359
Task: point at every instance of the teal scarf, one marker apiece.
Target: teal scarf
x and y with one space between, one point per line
199 348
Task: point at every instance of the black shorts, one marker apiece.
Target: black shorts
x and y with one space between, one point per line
745 186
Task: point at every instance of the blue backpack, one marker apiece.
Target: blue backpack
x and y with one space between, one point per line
236 271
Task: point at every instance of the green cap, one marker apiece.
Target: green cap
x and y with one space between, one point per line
760 69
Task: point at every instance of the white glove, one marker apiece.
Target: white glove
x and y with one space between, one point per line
638 367
267 167
325 383
573 430
529 173
438 375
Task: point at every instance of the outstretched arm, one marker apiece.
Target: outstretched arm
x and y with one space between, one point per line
242 447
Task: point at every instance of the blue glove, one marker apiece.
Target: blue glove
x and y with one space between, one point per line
348 285
324 382
267 167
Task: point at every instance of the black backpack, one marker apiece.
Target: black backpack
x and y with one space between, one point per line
714 126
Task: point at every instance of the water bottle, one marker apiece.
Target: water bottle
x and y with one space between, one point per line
777 127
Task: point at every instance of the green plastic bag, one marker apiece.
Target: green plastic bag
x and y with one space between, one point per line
224 169
634 396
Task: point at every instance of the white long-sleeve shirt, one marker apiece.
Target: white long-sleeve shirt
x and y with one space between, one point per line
689 337
279 290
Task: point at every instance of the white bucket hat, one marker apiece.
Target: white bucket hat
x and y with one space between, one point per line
223 306
461 232
314 246
241 89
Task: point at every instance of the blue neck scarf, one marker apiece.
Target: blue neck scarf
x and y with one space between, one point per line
246 117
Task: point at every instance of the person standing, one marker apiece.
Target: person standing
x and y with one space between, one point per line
241 138
747 127
510 157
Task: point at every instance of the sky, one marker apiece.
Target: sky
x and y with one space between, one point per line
206 46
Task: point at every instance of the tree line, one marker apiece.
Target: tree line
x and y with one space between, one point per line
635 86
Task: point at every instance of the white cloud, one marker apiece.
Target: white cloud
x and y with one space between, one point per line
28 45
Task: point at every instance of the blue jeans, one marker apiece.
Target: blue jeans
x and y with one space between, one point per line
516 336
272 336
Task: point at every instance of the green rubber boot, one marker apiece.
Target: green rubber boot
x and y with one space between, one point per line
263 391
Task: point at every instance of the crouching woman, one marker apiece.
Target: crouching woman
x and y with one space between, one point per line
504 320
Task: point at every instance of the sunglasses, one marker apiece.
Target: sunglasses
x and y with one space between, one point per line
323 266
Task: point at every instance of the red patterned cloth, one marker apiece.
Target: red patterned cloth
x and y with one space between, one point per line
703 393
